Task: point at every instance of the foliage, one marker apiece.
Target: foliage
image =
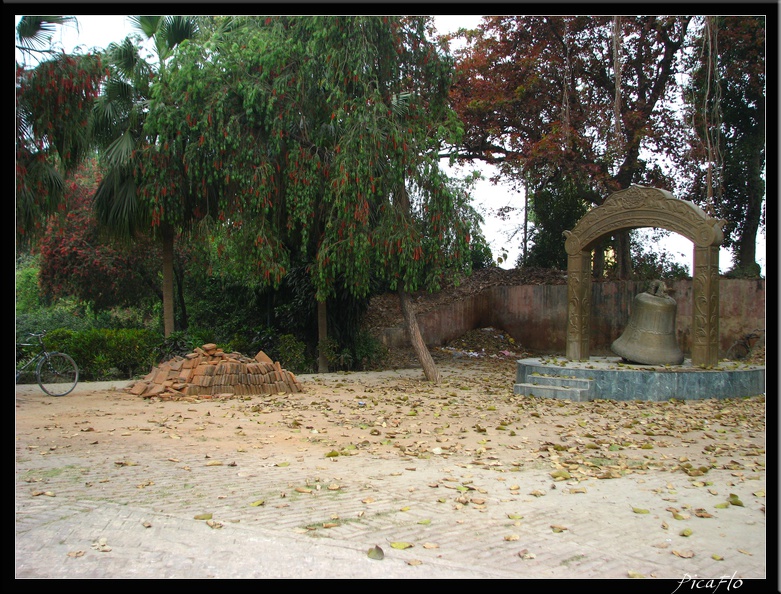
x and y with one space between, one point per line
103 354
324 135
555 207
726 103
66 313
76 261
28 298
541 97
179 344
649 264
53 101
291 353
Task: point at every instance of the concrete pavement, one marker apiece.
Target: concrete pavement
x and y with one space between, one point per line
139 513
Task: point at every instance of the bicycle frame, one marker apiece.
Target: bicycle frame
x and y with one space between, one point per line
42 354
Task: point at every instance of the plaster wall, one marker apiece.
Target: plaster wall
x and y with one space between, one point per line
536 315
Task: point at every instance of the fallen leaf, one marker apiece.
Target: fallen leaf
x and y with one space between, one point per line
716 557
303 490
202 517
101 545
376 553
557 528
515 516
282 464
685 532
430 545
258 503
745 552
512 537
425 522
414 562
76 554
401 545
735 500
214 463
330 525
639 510
634 574
537 493
684 554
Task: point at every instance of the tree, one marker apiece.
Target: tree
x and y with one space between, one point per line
119 127
726 103
74 261
315 140
52 129
580 98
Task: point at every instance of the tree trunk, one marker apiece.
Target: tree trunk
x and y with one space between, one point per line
623 255
421 350
598 262
182 306
322 337
168 279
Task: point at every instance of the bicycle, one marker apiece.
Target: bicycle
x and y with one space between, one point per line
57 373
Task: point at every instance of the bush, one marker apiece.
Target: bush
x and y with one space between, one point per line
291 354
107 354
369 351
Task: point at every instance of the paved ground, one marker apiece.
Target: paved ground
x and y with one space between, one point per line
137 512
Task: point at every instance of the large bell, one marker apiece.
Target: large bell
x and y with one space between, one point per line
649 338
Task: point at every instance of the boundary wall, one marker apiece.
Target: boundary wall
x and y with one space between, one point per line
536 315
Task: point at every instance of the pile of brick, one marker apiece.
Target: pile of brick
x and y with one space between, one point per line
210 373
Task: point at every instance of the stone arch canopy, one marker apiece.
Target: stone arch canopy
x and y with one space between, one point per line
639 206
635 207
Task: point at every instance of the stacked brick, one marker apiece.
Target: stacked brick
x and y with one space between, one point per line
210 373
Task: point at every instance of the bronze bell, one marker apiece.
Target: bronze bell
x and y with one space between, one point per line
649 338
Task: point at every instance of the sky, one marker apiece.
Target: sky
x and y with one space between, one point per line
504 237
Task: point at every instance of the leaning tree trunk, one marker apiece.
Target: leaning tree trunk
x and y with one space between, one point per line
421 350
168 279
322 336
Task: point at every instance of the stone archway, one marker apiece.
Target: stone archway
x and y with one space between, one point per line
635 207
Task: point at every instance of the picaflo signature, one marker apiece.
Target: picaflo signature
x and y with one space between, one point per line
712 584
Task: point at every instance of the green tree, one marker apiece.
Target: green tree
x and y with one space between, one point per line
119 127
315 140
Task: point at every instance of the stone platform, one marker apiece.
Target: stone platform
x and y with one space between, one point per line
610 378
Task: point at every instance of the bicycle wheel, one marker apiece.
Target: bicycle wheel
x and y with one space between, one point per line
57 374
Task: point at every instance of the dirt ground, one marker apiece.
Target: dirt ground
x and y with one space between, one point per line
472 415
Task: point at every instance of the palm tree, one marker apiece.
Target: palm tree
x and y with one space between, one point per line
52 135
119 129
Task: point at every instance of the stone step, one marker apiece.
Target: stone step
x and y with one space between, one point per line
552 391
559 380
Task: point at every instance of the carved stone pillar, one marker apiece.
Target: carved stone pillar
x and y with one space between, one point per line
705 323
578 305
